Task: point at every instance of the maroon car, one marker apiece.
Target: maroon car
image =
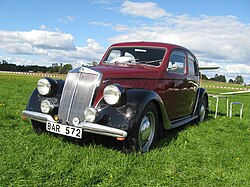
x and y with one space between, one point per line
138 90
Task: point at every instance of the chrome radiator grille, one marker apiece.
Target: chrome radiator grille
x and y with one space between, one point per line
77 94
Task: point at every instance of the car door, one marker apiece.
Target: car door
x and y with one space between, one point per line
193 81
176 97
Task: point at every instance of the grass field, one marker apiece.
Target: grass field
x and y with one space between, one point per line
215 153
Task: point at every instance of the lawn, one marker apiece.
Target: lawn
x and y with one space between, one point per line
215 153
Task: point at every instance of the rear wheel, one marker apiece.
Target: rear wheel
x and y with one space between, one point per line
203 110
146 133
38 127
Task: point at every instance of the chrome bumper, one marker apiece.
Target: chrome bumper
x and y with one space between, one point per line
86 127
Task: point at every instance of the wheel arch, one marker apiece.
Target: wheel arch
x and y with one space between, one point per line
35 98
202 92
151 96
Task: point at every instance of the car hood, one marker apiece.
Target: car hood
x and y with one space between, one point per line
127 72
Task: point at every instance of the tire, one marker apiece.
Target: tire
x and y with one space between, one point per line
147 130
38 127
203 110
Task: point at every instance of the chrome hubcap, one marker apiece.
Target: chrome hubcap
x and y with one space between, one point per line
146 132
202 112
145 129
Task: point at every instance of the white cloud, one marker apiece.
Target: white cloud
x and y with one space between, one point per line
215 40
67 19
44 27
35 39
71 18
100 23
145 9
120 27
106 2
219 38
48 47
92 52
229 70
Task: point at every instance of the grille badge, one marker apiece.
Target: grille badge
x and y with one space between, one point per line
75 121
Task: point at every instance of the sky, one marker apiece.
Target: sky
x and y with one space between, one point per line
43 32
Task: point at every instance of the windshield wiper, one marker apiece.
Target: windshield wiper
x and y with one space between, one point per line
150 61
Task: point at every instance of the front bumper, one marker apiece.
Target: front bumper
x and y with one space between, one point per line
86 127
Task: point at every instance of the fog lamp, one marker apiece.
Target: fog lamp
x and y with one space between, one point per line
46 106
90 114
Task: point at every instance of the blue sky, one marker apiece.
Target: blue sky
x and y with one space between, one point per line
44 32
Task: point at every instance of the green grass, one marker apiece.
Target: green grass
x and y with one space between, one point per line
215 153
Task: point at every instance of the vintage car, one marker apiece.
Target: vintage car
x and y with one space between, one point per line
138 90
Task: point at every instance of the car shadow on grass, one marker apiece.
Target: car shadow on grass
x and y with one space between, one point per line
172 134
111 143
91 140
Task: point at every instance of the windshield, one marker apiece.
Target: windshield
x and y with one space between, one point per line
135 55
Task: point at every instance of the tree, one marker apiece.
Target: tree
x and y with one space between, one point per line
219 78
54 69
231 81
239 79
65 69
204 77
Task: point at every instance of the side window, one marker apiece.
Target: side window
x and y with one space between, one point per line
177 62
191 65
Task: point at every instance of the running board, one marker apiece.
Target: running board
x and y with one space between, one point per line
182 122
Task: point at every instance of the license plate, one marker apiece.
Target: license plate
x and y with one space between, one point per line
64 129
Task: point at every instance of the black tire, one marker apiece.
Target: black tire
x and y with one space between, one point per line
203 110
147 129
38 127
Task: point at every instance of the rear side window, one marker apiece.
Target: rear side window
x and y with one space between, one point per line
192 65
177 62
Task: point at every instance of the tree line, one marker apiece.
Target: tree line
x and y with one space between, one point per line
221 78
55 68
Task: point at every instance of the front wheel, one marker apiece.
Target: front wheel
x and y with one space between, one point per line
147 129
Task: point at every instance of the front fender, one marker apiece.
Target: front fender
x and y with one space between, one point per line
35 98
125 117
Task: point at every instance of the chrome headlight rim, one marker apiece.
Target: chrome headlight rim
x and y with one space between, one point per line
47 86
112 94
44 86
46 106
90 114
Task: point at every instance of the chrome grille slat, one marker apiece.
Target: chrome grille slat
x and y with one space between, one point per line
72 97
77 94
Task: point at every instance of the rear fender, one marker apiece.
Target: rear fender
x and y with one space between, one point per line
202 92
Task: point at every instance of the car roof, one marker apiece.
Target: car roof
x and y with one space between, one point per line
153 44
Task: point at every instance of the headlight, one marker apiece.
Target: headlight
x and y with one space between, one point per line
90 114
112 94
43 86
46 106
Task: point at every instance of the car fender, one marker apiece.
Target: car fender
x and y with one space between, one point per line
36 99
125 117
202 92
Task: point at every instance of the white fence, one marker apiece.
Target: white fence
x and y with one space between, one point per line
34 74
